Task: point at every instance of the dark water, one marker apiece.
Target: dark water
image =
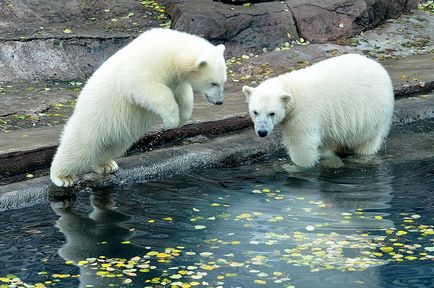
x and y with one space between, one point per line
364 225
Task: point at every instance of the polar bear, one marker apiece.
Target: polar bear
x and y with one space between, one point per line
149 80
345 102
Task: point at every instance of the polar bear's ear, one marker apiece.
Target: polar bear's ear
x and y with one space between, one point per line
221 48
247 90
286 98
200 64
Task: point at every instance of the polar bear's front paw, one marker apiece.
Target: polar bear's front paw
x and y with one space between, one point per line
171 122
291 168
183 118
65 181
184 115
106 168
332 162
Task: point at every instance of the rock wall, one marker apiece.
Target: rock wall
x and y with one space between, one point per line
68 39
327 20
239 27
252 27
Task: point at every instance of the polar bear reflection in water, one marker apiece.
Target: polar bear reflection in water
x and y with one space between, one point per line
85 236
340 237
327 220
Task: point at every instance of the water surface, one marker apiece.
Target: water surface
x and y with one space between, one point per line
368 224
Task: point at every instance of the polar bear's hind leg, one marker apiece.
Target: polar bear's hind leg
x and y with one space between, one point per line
371 146
107 167
63 181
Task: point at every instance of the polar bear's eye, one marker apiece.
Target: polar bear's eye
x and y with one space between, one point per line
255 112
271 114
214 84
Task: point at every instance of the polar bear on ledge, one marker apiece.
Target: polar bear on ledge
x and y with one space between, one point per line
149 80
345 102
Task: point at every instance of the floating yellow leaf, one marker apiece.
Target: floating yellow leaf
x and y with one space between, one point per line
176 276
162 255
82 262
310 228
244 216
61 276
386 249
206 254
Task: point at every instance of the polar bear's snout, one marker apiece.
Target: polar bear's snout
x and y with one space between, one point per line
263 126
215 95
262 133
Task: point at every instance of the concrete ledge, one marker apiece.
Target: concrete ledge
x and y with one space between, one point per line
403 145
404 91
157 164
413 109
20 161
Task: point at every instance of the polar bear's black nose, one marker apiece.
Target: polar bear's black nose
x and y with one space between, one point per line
219 103
262 133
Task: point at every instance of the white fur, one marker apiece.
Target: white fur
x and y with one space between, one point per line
342 102
149 80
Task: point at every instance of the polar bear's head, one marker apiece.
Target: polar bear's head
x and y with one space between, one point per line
209 75
268 106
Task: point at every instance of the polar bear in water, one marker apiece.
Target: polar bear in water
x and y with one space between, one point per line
345 102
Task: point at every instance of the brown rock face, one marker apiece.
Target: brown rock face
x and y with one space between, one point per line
238 27
322 21
269 23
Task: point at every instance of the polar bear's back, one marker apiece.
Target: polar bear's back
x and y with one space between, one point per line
156 45
350 97
154 54
351 76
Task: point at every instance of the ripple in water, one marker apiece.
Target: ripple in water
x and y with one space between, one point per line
364 225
